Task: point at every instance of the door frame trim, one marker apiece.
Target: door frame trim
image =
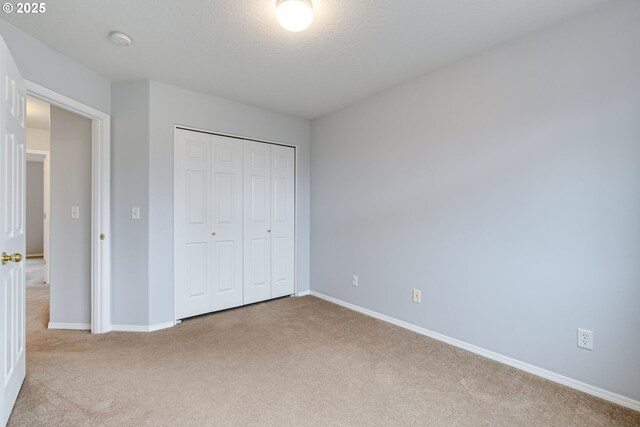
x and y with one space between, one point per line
100 201
177 127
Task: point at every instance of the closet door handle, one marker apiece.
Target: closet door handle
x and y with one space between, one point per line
269 231
213 233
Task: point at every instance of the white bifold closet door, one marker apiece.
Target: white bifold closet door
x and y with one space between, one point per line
268 221
208 223
257 221
227 223
234 224
282 221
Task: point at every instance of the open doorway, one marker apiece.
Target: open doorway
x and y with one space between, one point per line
58 213
99 210
37 210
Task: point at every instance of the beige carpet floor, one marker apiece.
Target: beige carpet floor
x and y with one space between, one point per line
292 361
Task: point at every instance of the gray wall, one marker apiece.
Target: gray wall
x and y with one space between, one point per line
144 115
70 256
49 68
130 187
35 208
507 188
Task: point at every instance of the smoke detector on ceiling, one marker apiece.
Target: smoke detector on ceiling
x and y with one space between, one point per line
120 39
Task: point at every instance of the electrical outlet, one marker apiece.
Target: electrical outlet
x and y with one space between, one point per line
354 280
585 339
417 296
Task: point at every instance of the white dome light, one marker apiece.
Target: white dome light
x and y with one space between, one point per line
119 38
294 15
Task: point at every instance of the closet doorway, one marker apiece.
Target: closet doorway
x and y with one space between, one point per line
234 222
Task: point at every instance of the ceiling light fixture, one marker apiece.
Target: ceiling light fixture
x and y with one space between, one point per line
119 38
294 15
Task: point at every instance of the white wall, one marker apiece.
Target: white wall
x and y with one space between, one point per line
35 208
49 68
143 176
507 188
70 250
38 139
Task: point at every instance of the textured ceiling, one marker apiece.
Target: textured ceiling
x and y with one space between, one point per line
38 113
237 50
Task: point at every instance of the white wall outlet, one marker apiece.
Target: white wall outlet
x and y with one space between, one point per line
417 296
135 212
75 212
354 280
585 339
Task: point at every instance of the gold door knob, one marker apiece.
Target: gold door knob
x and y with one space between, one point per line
13 258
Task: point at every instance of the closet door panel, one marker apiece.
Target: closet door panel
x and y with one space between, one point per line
282 221
192 224
257 221
234 214
227 222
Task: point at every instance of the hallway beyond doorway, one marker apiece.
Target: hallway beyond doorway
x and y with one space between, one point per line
34 272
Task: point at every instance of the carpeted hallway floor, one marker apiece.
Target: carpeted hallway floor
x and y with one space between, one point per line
293 361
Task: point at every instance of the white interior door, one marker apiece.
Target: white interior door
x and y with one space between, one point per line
227 222
13 97
257 221
192 226
282 220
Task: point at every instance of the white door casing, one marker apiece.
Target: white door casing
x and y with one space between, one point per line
13 97
282 221
47 210
193 228
257 221
226 208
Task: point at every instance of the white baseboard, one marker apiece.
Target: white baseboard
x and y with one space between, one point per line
117 328
159 326
72 326
303 293
552 376
142 328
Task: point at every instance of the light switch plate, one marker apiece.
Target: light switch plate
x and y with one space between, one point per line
135 212
75 212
